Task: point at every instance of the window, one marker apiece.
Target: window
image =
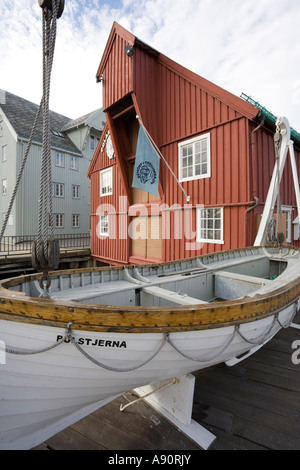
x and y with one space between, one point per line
58 190
74 163
106 182
4 153
4 187
57 133
75 220
210 225
75 191
60 159
194 158
10 219
59 220
104 228
93 142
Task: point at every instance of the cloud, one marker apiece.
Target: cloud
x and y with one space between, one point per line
247 46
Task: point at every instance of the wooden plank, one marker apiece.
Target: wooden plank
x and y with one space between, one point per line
72 439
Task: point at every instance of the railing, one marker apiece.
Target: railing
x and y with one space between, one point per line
23 243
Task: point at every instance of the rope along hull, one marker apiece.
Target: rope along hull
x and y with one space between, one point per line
43 393
64 356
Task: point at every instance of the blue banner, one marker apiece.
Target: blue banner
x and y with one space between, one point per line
146 167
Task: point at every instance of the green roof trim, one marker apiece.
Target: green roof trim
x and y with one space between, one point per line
267 114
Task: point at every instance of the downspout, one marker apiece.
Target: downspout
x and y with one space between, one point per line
255 198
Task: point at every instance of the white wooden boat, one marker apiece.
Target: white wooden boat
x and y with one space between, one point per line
108 330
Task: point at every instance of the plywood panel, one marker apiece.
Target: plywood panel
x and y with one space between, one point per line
138 233
154 242
146 233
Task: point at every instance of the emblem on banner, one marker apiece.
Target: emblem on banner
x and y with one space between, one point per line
146 173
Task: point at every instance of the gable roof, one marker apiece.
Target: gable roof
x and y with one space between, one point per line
21 114
245 108
95 119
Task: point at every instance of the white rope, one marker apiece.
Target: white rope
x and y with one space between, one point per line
163 158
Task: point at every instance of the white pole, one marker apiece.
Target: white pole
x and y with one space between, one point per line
295 174
284 127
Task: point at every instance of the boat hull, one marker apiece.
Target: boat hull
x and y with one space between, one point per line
104 331
45 390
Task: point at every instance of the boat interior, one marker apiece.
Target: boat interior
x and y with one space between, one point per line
217 277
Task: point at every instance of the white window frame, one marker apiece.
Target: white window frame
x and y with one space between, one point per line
110 188
59 190
59 220
60 159
93 142
74 163
103 223
4 153
75 191
10 219
192 143
75 220
200 227
4 187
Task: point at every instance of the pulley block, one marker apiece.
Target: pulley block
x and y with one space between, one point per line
39 261
47 4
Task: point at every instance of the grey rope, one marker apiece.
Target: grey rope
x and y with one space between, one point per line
265 335
207 359
45 212
115 369
261 338
166 339
27 352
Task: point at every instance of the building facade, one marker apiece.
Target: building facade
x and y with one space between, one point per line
72 148
218 158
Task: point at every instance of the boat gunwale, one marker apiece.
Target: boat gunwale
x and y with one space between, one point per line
16 306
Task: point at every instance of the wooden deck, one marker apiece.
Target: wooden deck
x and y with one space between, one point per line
253 405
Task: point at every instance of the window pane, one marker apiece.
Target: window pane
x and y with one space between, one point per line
210 224
106 182
195 157
217 234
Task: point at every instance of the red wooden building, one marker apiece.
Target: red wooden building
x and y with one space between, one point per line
216 145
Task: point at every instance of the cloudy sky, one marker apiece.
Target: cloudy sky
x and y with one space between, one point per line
241 45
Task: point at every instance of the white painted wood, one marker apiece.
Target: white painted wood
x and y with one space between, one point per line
42 393
175 403
273 188
181 299
295 174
